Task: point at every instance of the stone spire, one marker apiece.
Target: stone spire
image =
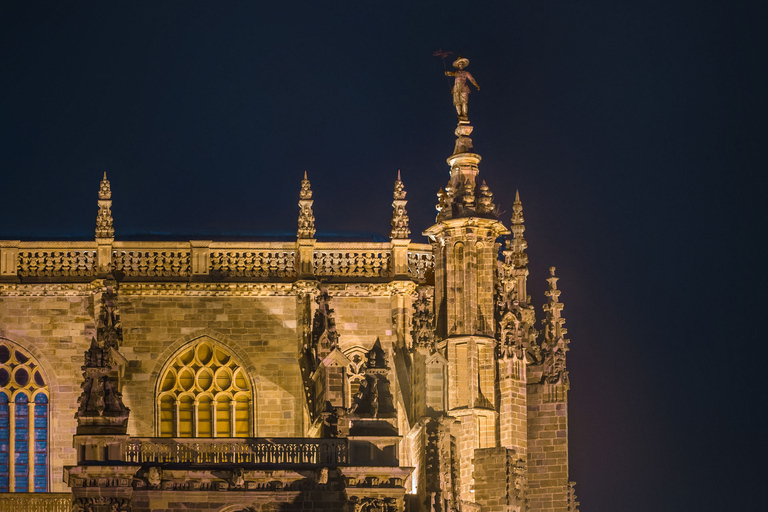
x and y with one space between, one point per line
399 214
104 226
554 345
519 245
306 217
101 409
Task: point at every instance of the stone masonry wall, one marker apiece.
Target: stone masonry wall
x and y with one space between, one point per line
260 331
547 452
360 320
56 330
513 410
493 480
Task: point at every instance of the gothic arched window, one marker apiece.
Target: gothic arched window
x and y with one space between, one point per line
23 422
204 392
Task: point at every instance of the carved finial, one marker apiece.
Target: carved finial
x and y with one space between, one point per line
485 204
104 223
519 245
306 217
399 214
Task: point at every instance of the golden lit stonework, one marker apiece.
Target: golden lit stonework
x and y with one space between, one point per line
227 376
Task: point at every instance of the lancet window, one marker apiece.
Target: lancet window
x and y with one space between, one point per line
23 421
204 392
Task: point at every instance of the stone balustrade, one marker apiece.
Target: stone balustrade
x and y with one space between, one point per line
36 502
139 261
271 451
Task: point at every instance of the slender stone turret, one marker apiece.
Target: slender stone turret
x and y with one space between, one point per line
105 231
400 229
306 217
555 344
104 223
548 413
102 418
306 233
465 247
518 247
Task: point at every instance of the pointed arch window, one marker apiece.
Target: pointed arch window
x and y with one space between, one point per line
23 422
204 392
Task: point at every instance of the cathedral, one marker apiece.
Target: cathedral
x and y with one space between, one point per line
228 376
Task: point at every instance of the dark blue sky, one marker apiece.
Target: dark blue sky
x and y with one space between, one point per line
635 132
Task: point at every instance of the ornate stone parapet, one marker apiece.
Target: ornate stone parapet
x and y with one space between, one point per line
200 257
9 255
36 502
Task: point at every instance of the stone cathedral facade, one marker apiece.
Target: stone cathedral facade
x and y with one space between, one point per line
229 376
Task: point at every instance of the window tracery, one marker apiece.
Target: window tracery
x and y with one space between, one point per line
23 421
204 392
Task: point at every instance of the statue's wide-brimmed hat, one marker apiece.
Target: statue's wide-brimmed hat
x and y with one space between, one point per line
461 62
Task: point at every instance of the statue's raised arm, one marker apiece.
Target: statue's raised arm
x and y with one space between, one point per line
460 88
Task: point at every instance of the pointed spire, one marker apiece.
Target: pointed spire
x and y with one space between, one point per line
104 224
399 214
306 217
554 307
519 245
554 345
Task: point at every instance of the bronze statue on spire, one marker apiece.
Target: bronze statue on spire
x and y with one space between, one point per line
460 88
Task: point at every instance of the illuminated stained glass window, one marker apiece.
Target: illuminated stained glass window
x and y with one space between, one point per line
23 422
204 392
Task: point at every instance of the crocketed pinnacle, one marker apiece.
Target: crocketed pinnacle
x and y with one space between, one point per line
554 307
400 228
104 222
306 217
555 344
519 245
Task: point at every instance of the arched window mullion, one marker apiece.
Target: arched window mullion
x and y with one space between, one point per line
5 443
24 422
204 369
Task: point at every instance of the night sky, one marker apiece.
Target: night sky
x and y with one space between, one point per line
634 131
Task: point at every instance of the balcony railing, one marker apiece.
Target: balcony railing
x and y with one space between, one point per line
257 451
36 502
